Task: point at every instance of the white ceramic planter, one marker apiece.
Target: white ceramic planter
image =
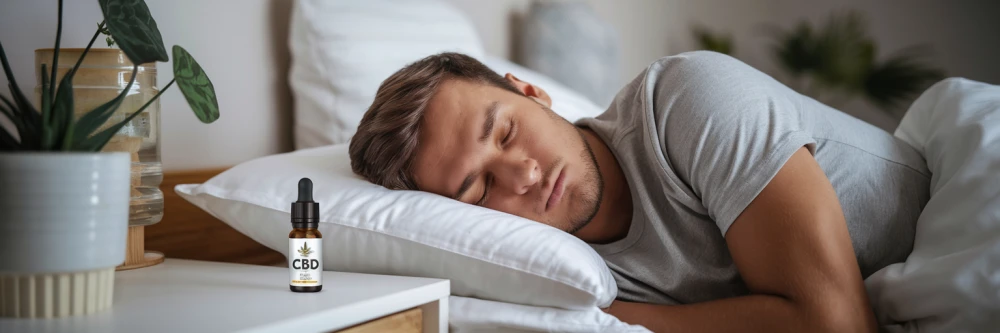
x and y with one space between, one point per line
63 226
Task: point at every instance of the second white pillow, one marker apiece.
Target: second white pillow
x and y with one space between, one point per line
342 50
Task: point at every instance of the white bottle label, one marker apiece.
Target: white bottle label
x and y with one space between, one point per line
305 261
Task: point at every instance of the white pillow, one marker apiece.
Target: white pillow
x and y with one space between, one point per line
342 50
369 229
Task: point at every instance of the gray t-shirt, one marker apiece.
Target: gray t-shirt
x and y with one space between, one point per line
699 135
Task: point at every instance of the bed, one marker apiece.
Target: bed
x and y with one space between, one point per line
189 232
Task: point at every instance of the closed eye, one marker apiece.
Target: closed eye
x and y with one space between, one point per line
511 130
486 190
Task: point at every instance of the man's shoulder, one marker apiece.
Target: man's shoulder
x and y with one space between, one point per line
694 87
684 92
695 64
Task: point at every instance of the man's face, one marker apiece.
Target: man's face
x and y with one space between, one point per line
487 146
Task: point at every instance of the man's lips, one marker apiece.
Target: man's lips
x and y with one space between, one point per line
557 190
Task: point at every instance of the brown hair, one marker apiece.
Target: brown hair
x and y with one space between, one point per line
382 149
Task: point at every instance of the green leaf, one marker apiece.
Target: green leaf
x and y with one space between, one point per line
15 91
9 110
7 141
55 57
96 142
46 103
845 50
7 113
32 120
61 116
708 40
134 30
62 112
20 107
899 78
94 119
46 109
796 49
195 85
10 106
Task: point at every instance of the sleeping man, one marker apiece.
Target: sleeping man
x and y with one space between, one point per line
720 199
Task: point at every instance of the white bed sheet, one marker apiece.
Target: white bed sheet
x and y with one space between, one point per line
481 316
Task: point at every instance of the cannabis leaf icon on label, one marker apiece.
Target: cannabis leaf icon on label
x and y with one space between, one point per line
305 251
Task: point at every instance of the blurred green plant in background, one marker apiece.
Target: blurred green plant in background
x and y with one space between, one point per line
708 40
837 60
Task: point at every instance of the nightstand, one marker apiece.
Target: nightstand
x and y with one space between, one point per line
201 296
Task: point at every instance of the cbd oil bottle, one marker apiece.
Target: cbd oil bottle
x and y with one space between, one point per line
305 243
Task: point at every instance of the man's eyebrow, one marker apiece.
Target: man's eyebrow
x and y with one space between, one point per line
466 184
491 118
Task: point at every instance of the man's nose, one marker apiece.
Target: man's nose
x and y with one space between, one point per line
519 174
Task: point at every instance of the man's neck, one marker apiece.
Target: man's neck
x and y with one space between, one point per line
614 215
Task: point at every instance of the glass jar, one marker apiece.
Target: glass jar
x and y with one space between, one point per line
101 77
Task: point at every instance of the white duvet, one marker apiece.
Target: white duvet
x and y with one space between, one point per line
951 280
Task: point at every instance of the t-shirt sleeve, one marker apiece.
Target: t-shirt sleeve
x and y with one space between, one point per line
725 128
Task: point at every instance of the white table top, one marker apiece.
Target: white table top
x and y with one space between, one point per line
200 296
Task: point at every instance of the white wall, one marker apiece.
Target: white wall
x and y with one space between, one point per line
965 34
240 44
643 26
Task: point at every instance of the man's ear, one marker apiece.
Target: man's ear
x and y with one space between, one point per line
529 90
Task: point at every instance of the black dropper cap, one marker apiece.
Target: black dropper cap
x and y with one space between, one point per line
305 211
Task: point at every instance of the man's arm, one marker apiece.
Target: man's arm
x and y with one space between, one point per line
792 249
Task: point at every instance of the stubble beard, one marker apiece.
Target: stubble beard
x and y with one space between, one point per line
591 189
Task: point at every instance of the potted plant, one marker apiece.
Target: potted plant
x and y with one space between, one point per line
836 61
63 203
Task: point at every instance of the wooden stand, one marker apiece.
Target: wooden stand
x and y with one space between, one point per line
136 255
